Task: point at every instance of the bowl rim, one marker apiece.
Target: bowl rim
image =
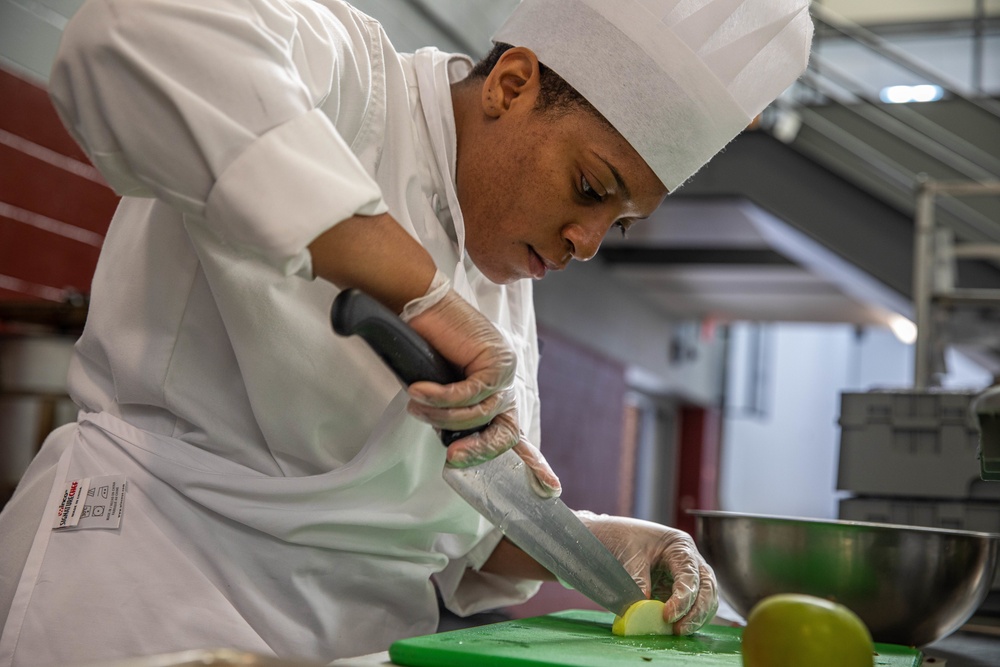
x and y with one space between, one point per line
725 514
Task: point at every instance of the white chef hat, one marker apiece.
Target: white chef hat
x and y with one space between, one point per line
677 78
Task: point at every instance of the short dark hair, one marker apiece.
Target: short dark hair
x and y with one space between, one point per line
555 94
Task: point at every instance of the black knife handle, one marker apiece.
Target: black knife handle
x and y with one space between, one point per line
409 356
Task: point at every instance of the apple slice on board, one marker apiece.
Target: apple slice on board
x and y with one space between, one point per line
645 617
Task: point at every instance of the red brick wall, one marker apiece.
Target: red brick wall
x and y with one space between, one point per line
54 206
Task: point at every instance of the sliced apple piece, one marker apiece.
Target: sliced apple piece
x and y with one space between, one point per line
645 617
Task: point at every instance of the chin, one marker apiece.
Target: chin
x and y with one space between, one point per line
500 278
498 275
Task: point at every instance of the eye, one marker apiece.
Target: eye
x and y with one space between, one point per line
623 226
588 191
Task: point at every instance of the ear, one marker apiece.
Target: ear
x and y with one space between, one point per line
514 82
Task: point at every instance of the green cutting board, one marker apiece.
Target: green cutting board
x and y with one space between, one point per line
583 639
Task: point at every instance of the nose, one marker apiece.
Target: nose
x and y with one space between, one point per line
584 237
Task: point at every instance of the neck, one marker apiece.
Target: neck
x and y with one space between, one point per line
464 95
465 102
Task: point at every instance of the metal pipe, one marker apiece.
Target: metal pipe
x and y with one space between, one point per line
908 125
886 168
923 257
971 223
887 50
978 19
977 251
964 188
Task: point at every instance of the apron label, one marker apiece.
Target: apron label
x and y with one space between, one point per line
92 502
68 512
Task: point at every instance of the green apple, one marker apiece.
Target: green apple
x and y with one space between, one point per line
791 630
645 617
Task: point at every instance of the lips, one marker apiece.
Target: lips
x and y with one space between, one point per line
536 265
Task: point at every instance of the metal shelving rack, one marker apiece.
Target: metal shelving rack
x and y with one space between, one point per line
935 275
937 295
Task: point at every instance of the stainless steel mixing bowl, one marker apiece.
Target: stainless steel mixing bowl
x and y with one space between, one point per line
910 585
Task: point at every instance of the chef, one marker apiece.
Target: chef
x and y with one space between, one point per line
238 475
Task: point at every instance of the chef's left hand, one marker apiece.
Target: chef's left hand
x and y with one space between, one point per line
665 563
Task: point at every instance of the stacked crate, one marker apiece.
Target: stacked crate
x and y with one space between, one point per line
912 457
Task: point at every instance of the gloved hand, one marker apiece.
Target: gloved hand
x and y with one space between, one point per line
469 340
666 565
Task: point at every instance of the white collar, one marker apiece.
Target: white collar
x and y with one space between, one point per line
436 71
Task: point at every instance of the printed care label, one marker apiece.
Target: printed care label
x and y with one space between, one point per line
92 502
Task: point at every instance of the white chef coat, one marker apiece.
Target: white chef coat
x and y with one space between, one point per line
279 499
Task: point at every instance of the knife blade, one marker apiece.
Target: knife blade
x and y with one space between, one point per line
499 489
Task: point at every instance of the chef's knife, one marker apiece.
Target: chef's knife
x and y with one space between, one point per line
500 489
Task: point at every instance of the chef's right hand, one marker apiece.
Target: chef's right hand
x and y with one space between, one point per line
375 254
469 340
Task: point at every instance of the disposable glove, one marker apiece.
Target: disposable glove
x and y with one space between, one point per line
469 340
666 565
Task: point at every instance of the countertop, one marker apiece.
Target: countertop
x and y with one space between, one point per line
965 649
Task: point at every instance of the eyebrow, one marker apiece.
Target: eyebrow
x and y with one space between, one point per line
618 178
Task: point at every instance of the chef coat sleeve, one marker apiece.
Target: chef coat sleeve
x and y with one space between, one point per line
239 113
465 590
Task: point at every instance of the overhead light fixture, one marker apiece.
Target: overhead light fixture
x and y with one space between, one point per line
924 92
786 126
904 329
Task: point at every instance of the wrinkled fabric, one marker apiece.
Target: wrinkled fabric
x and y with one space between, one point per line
279 497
